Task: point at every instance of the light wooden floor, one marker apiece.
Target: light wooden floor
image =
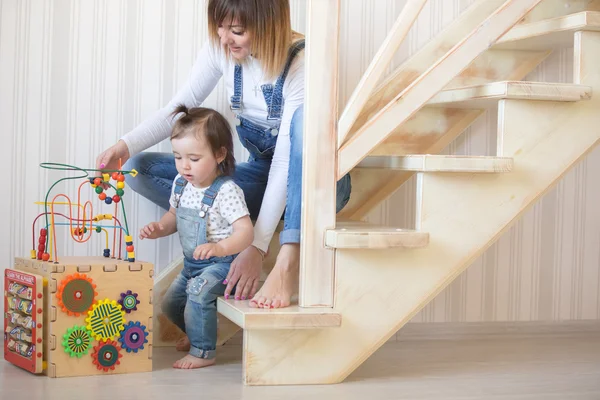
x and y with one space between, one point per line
558 367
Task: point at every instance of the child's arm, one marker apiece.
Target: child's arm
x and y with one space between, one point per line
242 237
165 227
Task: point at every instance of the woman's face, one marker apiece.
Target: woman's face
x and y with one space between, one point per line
236 38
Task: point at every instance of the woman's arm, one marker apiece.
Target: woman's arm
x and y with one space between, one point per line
203 78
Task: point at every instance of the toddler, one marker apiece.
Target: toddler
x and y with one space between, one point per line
209 212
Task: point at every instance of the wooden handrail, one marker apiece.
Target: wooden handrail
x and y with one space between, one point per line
380 62
429 83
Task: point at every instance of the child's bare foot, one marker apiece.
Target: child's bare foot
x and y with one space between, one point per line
191 362
183 344
282 282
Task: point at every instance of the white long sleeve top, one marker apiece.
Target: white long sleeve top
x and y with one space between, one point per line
212 63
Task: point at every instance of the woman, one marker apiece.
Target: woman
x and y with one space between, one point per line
252 46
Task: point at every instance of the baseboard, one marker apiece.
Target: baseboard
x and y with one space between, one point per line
495 330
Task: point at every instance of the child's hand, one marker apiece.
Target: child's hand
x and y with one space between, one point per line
153 230
208 250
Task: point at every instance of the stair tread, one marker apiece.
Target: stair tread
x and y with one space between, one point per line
480 96
292 317
549 33
360 235
439 163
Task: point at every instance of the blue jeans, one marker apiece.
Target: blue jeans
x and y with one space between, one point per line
191 304
156 172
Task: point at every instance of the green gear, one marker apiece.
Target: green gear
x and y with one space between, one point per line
77 341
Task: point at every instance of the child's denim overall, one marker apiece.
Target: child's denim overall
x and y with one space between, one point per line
191 301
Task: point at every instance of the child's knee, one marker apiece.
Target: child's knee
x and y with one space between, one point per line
203 289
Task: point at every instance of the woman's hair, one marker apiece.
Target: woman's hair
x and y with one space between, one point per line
267 21
210 124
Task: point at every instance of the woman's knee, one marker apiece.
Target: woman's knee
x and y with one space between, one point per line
297 128
140 162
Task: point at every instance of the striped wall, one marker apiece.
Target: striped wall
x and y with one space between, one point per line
75 75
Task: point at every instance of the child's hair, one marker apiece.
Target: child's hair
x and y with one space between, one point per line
210 124
269 23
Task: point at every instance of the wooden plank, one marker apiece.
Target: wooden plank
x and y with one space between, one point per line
440 163
548 9
380 62
320 144
487 95
432 129
407 103
355 235
464 216
292 317
497 65
420 62
551 33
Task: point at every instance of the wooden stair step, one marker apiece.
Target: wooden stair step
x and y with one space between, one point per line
293 317
485 95
358 235
549 33
439 163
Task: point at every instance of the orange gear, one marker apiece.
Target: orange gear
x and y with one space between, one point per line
106 356
76 294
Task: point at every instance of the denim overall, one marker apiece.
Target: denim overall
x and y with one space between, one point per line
157 170
260 142
191 300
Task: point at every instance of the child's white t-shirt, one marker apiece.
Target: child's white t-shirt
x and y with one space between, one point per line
228 207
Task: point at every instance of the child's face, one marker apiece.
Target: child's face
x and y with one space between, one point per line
195 160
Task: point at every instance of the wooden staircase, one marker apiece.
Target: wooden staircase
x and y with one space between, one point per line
359 283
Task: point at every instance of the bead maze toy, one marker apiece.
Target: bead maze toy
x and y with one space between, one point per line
80 315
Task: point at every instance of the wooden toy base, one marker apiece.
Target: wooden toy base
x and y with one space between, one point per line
70 284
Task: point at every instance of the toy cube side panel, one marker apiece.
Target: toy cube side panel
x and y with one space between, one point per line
24 310
43 269
93 331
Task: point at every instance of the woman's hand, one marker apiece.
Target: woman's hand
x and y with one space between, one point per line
109 158
245 271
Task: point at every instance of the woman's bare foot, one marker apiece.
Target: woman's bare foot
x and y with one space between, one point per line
191 362
282 282
183 344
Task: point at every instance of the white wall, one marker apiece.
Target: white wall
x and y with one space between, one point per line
75 75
